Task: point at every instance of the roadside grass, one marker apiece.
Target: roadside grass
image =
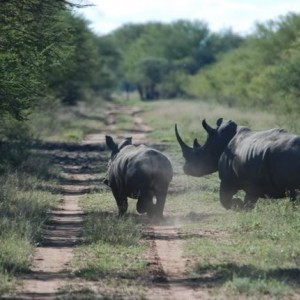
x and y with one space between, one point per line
55 122
113 248
257 256
24 204
238 254
252 254
188 115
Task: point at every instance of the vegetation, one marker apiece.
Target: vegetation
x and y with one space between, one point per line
24 207
52 66
238 254
155 58
113 249
262 72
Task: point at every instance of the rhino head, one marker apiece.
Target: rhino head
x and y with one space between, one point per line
203 160
115 148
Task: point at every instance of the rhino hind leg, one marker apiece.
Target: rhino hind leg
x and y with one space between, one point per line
141 206
145 203
161 196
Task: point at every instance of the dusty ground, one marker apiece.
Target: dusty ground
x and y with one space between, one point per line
50 272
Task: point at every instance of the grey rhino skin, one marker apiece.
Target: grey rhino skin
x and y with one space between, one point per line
138 172
263 164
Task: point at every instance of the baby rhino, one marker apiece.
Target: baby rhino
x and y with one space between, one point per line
138 172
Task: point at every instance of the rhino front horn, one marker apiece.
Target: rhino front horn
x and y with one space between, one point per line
184 147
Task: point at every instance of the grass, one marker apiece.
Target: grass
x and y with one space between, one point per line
258 253
54 122
113 248
23 211
237 254
242 254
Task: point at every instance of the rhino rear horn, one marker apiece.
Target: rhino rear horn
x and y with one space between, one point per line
196 144
219 121
184 147
208 128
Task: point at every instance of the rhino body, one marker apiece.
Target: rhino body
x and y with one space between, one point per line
263 164
141 173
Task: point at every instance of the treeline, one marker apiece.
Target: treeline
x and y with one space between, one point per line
263 72
46 51
156 59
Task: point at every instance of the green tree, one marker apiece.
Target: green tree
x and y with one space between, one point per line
80 68
30 41
171 51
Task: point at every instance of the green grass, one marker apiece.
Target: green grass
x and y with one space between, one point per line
257 254
24 204
242 254
113 248
55 122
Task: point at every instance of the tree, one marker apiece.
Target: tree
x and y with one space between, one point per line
31 40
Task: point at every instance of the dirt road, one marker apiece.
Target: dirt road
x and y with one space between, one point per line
51 271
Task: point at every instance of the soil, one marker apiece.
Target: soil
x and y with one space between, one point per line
51 270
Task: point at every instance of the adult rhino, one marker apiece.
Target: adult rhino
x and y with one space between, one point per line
138 172
263 164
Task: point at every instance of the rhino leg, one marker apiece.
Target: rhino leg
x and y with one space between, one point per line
293 195
122 203
122 206
250 201
141 206
226 196
145 203
161 196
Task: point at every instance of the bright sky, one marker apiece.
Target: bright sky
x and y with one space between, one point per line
239 15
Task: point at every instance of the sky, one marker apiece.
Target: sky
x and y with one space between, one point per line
239 15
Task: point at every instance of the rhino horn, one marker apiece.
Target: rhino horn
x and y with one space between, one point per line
184 147
219 121
196 144
208 128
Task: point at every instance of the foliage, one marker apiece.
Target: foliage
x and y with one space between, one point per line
112 247
263 71
46 51
157 57
29 42
24 209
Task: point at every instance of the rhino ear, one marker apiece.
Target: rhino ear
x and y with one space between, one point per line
110 143
129 139
219 122
196 144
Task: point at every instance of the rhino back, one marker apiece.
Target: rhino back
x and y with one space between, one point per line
137 168
266 162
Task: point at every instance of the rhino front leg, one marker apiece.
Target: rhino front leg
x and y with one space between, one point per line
250 201
122 206
226 197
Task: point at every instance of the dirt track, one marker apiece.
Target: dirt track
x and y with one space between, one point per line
51 270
